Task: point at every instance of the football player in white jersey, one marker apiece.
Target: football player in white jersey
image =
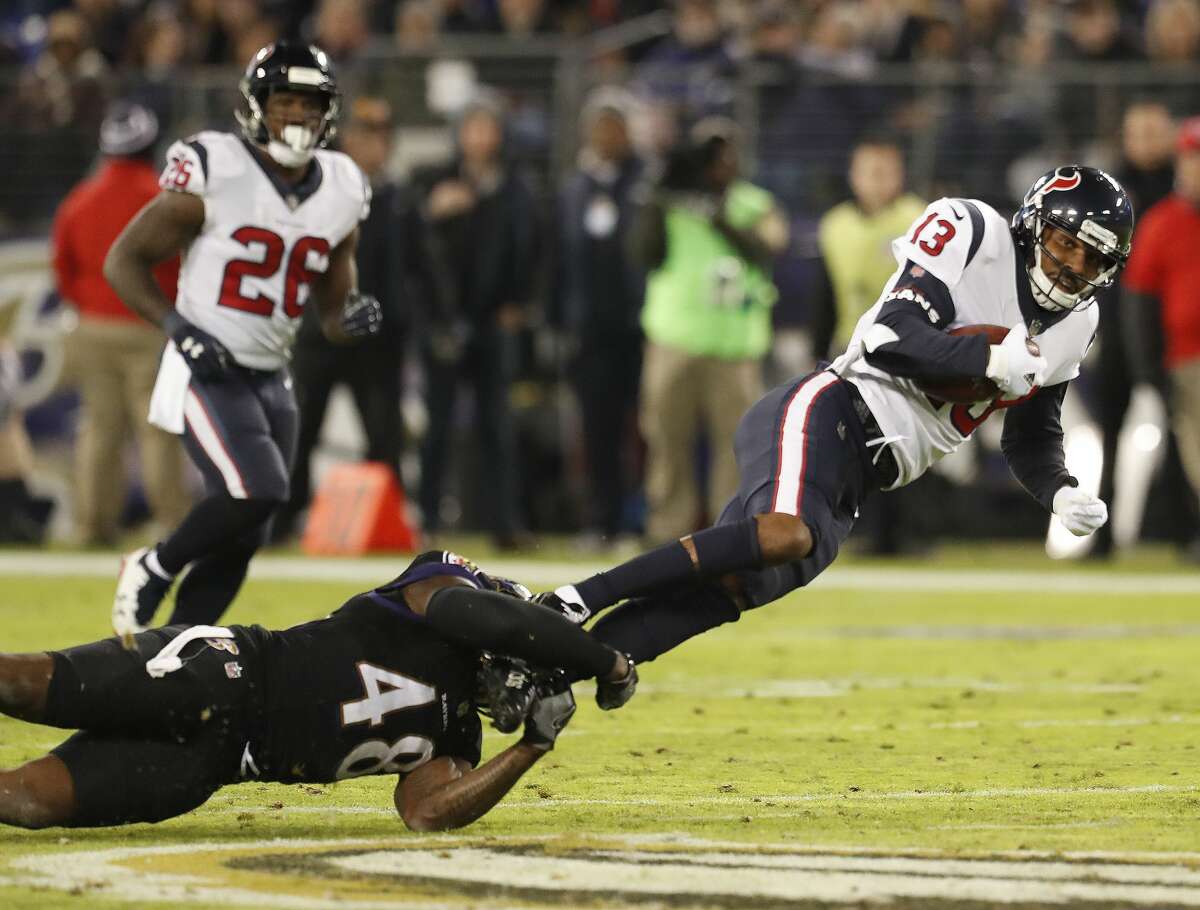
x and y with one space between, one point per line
811 450
266 221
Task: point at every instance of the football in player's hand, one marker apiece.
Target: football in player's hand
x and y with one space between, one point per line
967 391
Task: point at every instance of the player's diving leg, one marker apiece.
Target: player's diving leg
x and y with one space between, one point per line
800 457
756 542
24 682
39 793
802 482
645 627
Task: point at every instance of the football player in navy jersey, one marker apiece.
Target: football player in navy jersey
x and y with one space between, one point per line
391 683
810 451
266 221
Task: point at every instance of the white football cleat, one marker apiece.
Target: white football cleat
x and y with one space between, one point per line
139 592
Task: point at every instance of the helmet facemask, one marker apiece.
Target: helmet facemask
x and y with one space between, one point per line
297 143
1101 245
505 690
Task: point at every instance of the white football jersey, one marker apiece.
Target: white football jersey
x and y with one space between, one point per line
247 277
973 254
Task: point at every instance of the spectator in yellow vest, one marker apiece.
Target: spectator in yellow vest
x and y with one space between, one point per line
855 242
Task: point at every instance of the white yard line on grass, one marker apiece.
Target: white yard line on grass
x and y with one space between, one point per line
377 569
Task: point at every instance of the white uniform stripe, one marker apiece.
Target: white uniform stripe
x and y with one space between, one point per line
210 440
792 443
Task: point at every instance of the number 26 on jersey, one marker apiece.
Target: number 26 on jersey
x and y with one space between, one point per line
308 258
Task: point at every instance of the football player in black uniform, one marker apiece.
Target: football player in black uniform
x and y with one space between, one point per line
389 683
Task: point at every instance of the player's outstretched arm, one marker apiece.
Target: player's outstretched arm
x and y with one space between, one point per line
166 225
447 793
1032 443
489 621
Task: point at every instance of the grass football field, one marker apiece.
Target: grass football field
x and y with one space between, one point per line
984 728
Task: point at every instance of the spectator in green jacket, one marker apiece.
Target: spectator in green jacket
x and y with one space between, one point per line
707 237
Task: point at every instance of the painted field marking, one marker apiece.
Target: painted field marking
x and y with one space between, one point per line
608 869
102 872
787 879
376 570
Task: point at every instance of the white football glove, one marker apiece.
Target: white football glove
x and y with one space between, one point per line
1080 512
1013 367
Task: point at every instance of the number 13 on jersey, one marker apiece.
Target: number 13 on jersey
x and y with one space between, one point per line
935 233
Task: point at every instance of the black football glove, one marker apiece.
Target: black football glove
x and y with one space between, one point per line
206 357
551 711
612 694
361 316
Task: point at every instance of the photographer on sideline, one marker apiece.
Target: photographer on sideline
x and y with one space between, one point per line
707 238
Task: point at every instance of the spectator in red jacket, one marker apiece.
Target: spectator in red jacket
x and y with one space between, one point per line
1160 283
113 355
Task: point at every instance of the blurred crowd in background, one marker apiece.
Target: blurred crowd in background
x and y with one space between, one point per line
613 223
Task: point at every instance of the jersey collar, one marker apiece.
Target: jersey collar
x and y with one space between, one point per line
293 195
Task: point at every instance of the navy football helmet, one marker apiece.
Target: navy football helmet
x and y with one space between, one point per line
285 66
1091 206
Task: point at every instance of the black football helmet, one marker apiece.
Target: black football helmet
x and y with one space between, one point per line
285 66
1091 206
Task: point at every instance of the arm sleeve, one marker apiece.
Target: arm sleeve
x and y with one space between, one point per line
909 338
1033 445
823 311
490 621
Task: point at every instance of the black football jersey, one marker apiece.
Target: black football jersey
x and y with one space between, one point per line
370 689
